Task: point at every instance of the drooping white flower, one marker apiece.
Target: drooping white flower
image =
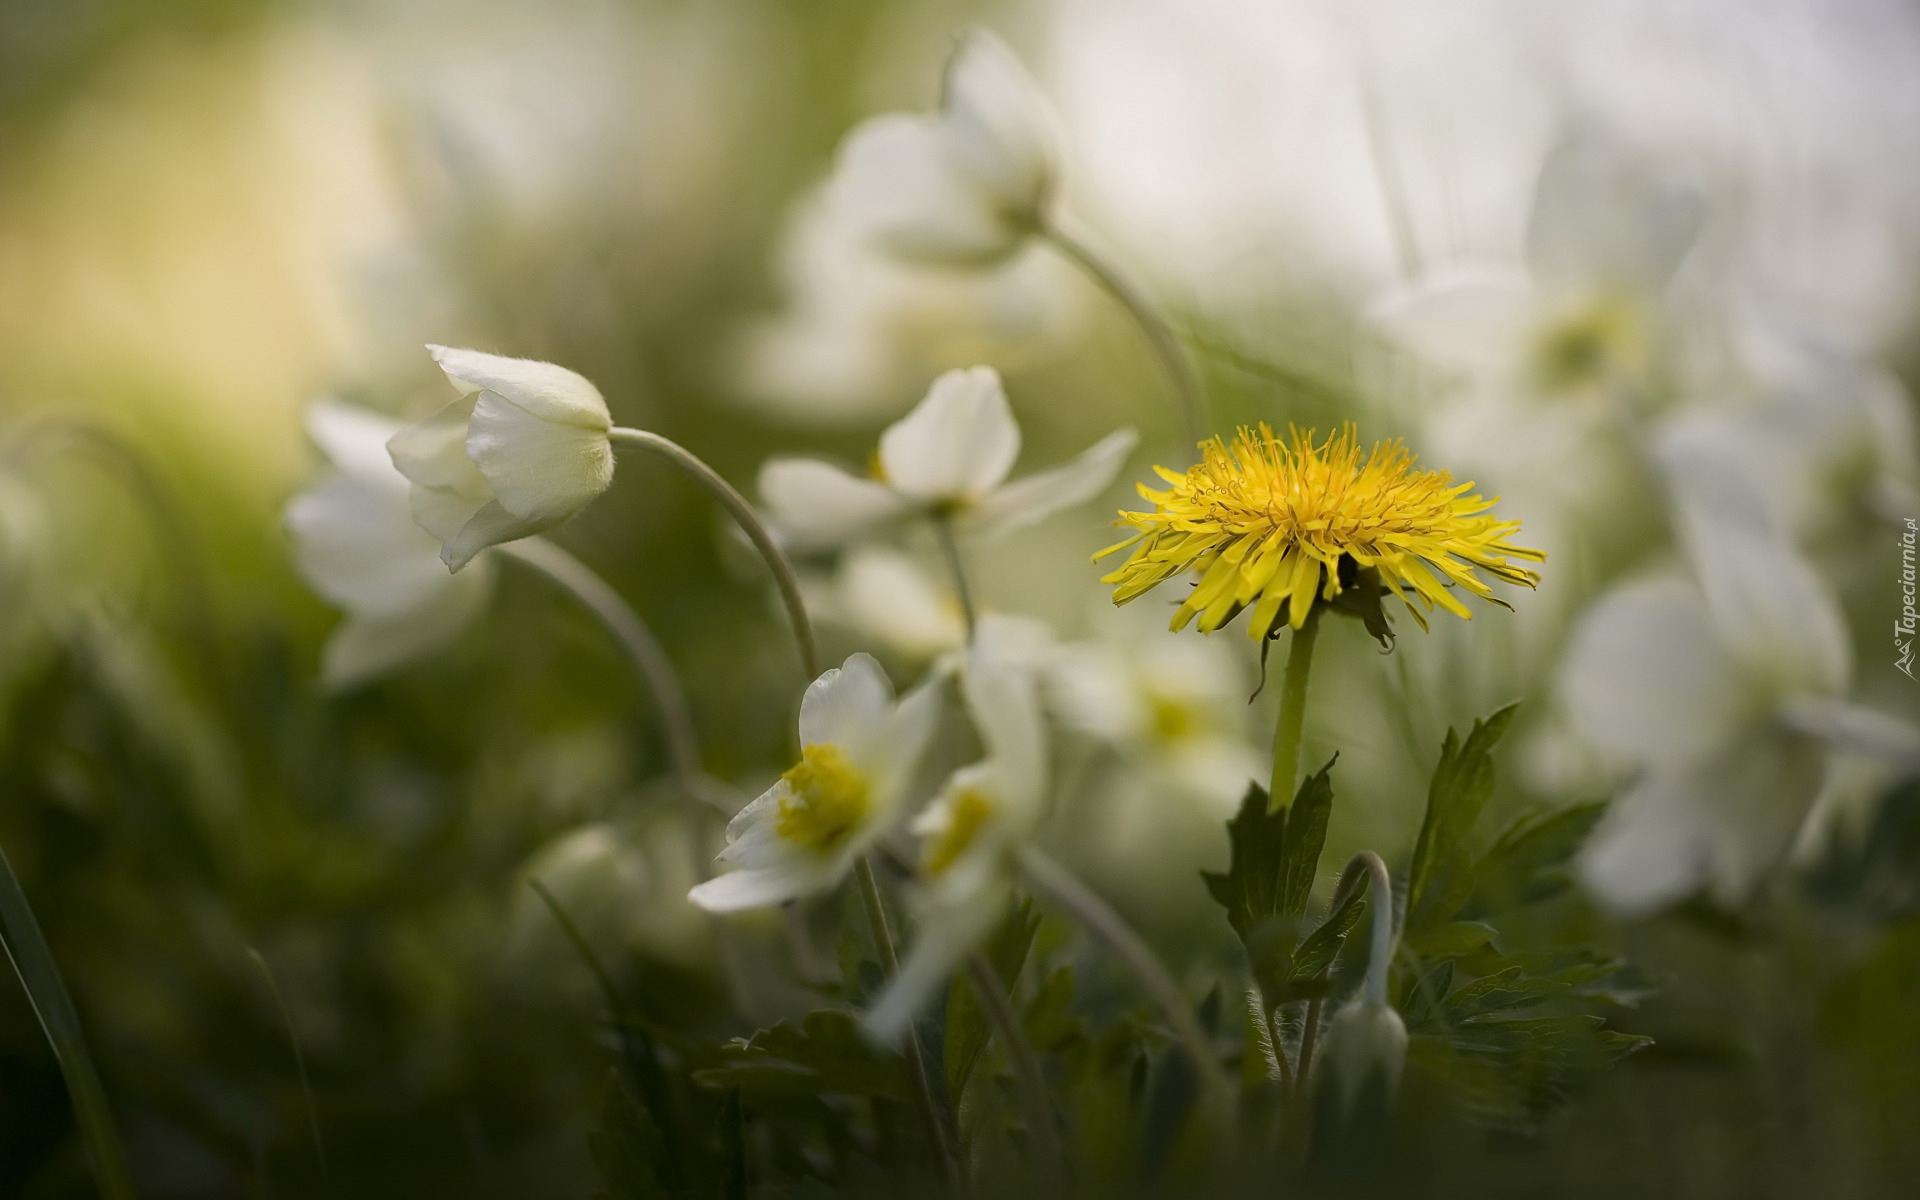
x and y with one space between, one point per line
984 810
949 457
1722 691
858 752
966 185
356 544
1604 240
1366 1047
523 448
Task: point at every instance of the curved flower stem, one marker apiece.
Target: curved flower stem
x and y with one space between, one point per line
1368 866
650 664
299 1057
1110 927
1186 386
26 948
124 462
749 522
890 959
950 549
1026 1068
1293 712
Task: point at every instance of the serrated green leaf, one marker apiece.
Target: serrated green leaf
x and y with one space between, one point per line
1318 950
1461 785
1273 857
825 1052
968 1030
624 1147
1528 861
1455 939
1049 1022
1499 992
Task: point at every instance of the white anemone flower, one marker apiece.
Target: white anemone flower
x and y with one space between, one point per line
1722 692
524 447
968 832
858 753
356 544
949 457
966 185
1602 245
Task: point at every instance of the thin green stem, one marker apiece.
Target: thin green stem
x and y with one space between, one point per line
1110 927
1293 712
750 523
950 550
1368 866
650 664
299 1057
1186 385
890 960
27 950
1026 1067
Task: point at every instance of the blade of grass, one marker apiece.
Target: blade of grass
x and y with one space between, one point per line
27 950
299 1058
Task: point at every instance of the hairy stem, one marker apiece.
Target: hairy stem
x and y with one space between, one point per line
1186 386
650 664
1026 1067
26 948
890 959
1110 927
749 522
1293 712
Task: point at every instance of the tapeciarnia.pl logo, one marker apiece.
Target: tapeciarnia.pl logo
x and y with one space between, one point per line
1903 627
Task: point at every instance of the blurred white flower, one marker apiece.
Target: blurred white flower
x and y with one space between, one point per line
983 811
967 185
949 457
523 448
858 752
1722 692
356 544
882 592
1602 244
860 329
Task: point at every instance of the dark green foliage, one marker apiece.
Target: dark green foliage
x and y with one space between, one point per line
824 1053
968 1031
625 1147
1273 854
1436 879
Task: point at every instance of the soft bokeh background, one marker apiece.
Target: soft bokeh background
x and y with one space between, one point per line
213 212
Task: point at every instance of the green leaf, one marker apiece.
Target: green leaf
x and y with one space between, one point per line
1273 857
968 1030
625 1148
1049 1021
1455 939
1527 862
1318 950
1461 786
1501 991
733 1149
825 1052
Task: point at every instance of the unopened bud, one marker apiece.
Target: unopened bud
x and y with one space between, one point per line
1366 1041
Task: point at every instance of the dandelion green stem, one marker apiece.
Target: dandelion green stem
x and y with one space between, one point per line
299 1057
652 666
27 950
1186 386
1026 1067
1293 712
750 523
890 960
1367 866
950 549
1110 927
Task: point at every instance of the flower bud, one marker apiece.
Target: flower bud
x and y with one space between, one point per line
525 447
1366 1041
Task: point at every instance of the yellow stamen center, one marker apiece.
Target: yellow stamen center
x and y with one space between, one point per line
827 801
967 814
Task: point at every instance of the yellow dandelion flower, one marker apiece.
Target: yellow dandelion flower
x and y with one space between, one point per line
1273 525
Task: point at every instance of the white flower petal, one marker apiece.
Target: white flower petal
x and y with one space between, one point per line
947 933
1600 220
433 452
898 180
1002 699
359 549
1846 726
1646 680
957 444
490 526
896 756
364 646
355 440
1026 501
999 126
759 887
549 392
1469 318
886 595
847 706
540 470
1720 824
816 505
